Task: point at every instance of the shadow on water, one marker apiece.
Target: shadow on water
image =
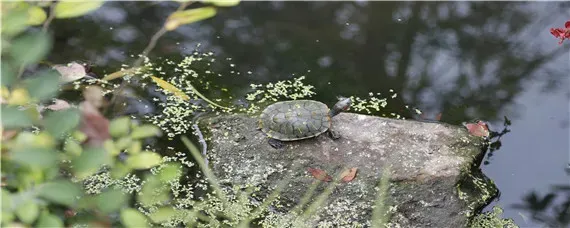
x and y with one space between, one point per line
464 60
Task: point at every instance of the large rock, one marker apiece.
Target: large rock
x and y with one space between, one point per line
434 179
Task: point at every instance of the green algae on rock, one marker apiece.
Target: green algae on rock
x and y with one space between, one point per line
430 167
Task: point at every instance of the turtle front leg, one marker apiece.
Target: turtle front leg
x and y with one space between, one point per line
333 134
275 143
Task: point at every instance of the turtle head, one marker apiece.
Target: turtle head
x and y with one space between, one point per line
342 105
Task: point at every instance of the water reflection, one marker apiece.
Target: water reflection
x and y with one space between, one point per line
465 60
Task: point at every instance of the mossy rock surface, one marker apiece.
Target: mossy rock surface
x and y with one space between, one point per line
434 176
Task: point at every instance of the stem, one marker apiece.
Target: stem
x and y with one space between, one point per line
50 18
157 36
151 44
147 49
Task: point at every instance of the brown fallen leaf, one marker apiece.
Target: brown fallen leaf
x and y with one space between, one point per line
58 105
319 174
71 71
348 175
93 124
94 95
438 117
479 129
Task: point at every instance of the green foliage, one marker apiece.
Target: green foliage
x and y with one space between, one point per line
48 220
133 218
144 131
188 16
144 160
120 126
14 117
492 219
60 123
110 200
8 74
69 9
90 161
61 191
30 48
44 86
28 211
14 19
222 3
36 15
34 157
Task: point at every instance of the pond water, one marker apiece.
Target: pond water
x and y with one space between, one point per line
465 60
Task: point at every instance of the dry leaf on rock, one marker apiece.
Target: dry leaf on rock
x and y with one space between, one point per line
479 129
348 175
319 174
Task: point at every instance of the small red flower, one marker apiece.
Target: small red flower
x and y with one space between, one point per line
561 33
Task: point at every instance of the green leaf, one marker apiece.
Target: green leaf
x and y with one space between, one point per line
123 143
35 156
153 191
90 161
51 173
120 126
110 200
6 200
12 117
170 88
68 9
179 18
7 217
162 214
133 218
30 48
14 19
135 147
44 86
170 172
48 220
120 170
145 131
72 147
59 123
61 192
79 136
144 160
36 15
111 148
222 3
28 211
8 74
28 139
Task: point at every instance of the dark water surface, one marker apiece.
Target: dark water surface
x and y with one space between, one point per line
465 60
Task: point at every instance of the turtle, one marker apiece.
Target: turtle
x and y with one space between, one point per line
299 119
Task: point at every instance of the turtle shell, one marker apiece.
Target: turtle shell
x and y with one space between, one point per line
295 120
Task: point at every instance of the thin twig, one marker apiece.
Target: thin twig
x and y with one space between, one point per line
50 18
147 50
151 45
157 36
